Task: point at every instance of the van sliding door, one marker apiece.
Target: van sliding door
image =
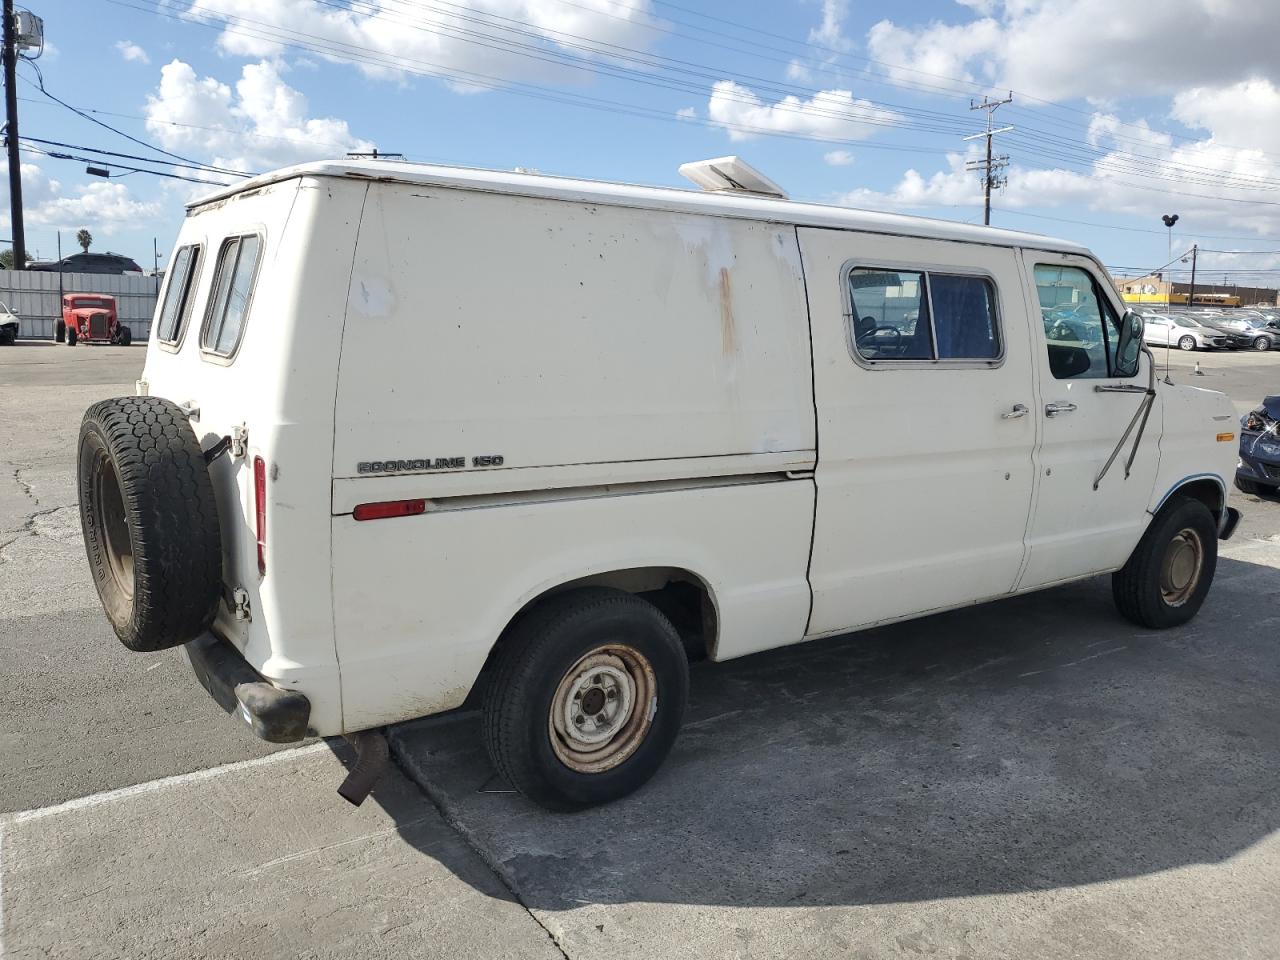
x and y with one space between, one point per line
923 380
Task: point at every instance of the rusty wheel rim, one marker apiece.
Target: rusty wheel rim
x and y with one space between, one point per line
603 708
112 523
1180 571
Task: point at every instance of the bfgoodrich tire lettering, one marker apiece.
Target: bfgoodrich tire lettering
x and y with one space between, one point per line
150 521
1167 578
572 635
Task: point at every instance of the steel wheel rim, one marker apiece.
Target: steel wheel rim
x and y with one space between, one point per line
112 524
1181 568
603 708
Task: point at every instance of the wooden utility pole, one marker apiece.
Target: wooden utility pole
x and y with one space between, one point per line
11 138
991 166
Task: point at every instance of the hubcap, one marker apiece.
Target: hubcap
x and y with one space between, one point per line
603 708
1180 572
113 524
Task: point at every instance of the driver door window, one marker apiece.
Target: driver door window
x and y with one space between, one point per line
1081 329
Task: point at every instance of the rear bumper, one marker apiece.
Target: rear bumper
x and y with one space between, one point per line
273 714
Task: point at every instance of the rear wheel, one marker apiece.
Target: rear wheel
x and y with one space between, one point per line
1262 343
71 336
150 522
1168 576
60 331
587 697
1187 343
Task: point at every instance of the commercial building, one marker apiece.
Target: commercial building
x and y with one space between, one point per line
1154 290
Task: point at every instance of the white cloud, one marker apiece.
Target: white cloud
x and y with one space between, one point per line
262 124
103 206
1060 49
838 158
830 32
391 39
828 115
687 113
132 52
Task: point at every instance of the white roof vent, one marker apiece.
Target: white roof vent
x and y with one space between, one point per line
730 175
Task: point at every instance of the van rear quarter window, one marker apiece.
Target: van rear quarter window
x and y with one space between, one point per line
176 309
233 286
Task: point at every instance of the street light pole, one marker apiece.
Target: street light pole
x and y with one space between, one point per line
11 138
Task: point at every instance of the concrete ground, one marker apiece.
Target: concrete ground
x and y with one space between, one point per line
1032 778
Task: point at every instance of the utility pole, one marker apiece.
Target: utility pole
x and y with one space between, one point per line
1191 298
991 166
11 138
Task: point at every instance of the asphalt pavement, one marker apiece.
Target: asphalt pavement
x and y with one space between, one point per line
1030 778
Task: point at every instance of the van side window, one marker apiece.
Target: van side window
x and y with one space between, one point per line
1080 327
178 299
232 285
920 315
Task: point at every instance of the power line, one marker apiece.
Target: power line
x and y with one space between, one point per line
89 160
122 156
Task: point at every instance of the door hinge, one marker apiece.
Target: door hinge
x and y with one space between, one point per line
241 597
239 441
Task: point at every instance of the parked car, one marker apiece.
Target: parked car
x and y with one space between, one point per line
537 441
1258 470
103 263
90 317
9 324
1183 332
1238 338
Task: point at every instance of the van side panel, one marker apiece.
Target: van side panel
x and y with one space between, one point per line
280 385
550 332
645 377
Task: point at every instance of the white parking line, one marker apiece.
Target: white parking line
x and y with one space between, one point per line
123 793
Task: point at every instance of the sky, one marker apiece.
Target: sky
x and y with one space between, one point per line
1121 112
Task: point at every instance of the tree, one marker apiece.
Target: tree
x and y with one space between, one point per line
6 259
84 238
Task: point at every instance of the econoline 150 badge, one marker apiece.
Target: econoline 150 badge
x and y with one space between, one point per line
416 466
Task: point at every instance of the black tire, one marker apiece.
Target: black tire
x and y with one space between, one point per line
1262 343
60 331
1245 485
1150 594
542 653
124 336
71 336
1187 343
149 520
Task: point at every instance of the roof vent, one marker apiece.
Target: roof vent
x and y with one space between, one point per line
731 175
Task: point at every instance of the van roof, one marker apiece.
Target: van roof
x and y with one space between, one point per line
727 204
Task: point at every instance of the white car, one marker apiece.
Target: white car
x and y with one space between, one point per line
1177 330
408 434
9 324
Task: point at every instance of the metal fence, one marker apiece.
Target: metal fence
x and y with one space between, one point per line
33 296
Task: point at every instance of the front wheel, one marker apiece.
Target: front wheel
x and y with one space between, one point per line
586 699
1187 343
124 336
71 336
60 331
1168 576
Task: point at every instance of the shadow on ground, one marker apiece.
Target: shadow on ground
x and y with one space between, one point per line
1033 744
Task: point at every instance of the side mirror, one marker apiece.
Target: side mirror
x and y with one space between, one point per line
1129 349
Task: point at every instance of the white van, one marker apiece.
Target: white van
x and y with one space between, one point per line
408 434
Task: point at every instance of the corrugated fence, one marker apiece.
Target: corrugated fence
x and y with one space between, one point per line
33 296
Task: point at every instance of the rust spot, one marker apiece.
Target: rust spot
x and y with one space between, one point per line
728 332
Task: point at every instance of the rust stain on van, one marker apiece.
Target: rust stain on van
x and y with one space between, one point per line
728 331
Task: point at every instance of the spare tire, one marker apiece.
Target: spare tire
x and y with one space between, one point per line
150 521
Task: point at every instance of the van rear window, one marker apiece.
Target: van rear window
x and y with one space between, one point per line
232 287
176 308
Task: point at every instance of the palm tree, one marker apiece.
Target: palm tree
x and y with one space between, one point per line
84 238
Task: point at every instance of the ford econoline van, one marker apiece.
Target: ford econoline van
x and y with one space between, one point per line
412 436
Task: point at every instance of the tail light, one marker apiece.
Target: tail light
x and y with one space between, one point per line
260 509
389 508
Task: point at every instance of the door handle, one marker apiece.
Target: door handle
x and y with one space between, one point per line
1054 409
1019 410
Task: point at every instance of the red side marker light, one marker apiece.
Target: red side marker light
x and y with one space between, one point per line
389 508
260 509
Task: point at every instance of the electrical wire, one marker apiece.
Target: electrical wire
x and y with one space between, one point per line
123 156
